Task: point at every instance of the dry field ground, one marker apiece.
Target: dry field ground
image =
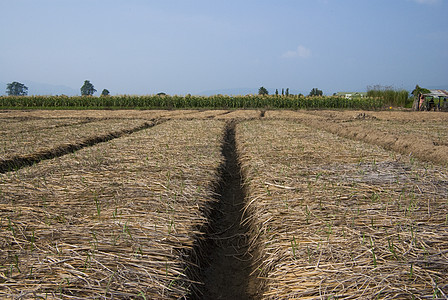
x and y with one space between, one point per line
218 204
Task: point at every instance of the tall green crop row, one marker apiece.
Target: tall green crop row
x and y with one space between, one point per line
193 102
390 97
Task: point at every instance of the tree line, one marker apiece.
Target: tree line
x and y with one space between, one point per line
314 92
88 89
19 89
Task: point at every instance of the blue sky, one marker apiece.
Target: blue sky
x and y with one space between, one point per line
190 46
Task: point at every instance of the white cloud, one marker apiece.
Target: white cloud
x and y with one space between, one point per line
301 52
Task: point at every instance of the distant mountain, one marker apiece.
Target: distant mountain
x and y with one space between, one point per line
2 88
37 88
230 92
437 87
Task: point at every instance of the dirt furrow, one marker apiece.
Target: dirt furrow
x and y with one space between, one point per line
227 274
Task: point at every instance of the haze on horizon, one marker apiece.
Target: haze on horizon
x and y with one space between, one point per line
190 46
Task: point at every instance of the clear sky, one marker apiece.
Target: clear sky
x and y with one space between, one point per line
189 46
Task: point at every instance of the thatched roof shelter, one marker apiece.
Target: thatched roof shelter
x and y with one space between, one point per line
437 94
428 101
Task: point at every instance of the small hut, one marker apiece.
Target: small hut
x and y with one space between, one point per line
434 100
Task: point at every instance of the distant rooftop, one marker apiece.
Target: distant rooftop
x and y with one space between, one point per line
437 93
349 95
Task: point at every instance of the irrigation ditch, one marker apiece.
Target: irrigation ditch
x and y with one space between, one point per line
226 267
21 161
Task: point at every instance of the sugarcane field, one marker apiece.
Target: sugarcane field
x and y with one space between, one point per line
223 204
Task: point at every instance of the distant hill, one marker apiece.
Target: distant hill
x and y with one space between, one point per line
37 88
437 87
230 92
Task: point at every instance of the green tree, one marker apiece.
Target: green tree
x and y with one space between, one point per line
16 89
87 89
105 92
287 92
418 90
263 91
316 92
416 94
276 92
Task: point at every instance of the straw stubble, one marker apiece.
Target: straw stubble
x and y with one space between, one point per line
118 219
338 218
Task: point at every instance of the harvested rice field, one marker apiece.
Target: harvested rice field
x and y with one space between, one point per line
97 114
223 204
27 139
116 220
424 136
339 218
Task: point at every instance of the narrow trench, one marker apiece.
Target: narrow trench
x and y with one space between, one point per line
227 271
